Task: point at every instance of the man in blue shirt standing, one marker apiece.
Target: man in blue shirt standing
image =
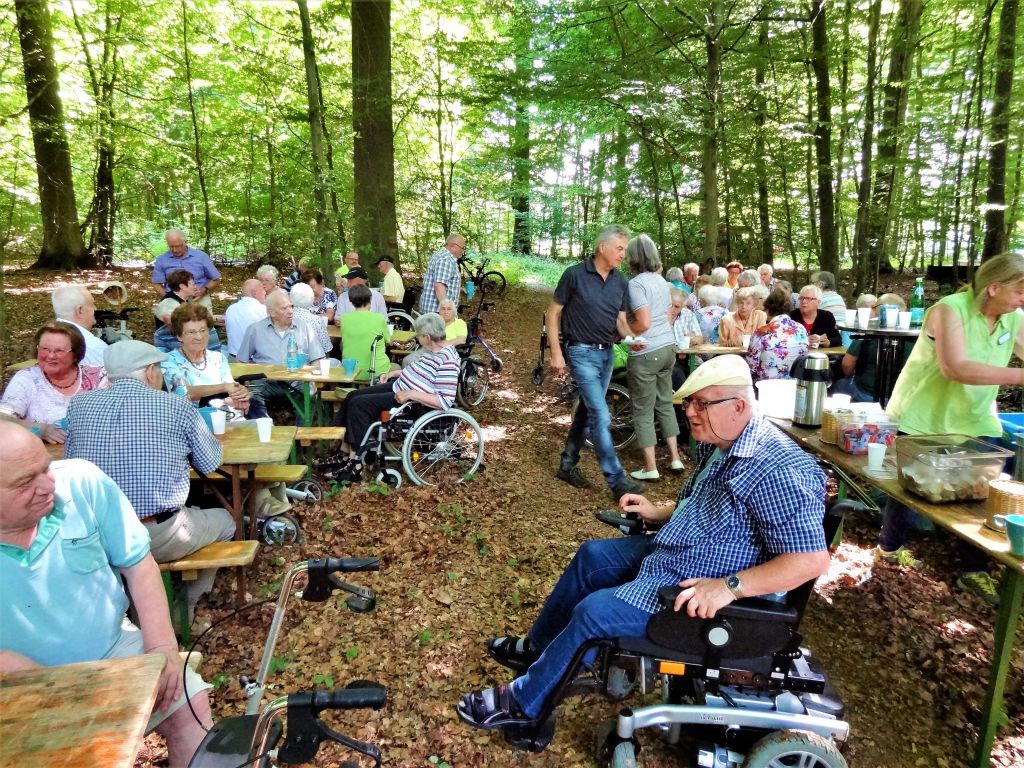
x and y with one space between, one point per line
181 256
585 317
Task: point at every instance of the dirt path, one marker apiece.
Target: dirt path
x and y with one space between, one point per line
909 653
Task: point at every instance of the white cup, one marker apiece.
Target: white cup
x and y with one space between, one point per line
683 343
863 316
325 366
745 341
851 316
219 420
263 428
904 321
876 455
840 401
892 319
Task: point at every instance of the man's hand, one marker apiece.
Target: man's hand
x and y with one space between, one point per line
403 396
703 597
557 363
200 291
171 684
639 505
52 434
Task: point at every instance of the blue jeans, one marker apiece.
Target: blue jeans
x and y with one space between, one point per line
592 369
581 607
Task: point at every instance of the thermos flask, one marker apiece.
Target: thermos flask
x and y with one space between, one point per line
812 378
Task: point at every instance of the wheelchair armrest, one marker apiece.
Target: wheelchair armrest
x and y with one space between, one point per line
750 608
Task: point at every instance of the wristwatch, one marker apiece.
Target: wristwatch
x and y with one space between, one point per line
735 585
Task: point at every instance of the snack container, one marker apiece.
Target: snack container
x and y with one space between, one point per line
855 429
948 468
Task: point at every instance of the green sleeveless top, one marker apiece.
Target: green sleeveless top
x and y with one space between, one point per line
927 403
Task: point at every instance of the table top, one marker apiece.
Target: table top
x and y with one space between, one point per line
242 445
965 519
335 374
873 330
79 715
718 349
397 337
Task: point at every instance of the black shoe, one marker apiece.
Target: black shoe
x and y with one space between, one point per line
573 477
627 486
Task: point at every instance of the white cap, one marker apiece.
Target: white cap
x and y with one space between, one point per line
721 371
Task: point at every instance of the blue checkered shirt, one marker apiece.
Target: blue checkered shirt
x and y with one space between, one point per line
763 498
144 439
442 268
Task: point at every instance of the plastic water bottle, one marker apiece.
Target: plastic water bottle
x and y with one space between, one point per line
291 360
917 304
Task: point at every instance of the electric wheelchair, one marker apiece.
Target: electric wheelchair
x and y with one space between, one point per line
741 684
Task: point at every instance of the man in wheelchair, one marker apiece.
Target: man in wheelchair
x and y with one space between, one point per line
747 523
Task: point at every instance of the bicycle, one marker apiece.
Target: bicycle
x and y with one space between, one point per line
252 738
486 281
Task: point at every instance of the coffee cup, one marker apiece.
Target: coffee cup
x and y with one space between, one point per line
904 321
218 420
851 316
745 341
863 316
264 427
1014 527
325 366
876 455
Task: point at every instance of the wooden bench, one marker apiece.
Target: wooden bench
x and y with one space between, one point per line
264 474
306 436
335 395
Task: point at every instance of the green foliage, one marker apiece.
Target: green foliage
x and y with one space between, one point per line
351 653
278 664
325 680
425 637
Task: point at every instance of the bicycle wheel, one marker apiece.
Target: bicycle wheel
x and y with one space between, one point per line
621 411
474 380
494 283
442 445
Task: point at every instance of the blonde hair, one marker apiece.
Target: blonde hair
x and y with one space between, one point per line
1004 269
892 298
748 292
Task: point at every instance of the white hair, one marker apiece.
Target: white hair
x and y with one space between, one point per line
813 289
447 303
719 276
709 296
301 295
690 265
766 268
66 299
277 297
267 269
175 231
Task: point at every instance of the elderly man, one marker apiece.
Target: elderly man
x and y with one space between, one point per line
348 263
265 341
247 310
588 309
831 301
394 289
75 305
150 465
301 296
740 528
690 274
68 537
765 273
358 277
442 279
181 256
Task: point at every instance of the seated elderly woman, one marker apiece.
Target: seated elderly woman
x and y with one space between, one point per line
268 277
675 276
324 299
693 300
39 395
714 305
302 297
358 330
431 381
776 345
820 324
199 373
182 290
743 321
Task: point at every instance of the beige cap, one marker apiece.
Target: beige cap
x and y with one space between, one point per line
721 371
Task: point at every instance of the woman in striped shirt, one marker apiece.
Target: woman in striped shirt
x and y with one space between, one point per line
430 381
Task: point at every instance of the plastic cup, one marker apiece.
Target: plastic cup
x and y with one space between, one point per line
840 401
391 329
207 414
263 429
325 366
904 321
892 316
745 341
219 420
683 343
863 316
470 289
350 364
851 316
303 359
876 455
813 342
1014 527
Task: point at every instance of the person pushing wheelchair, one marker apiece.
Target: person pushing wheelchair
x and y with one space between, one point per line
747 523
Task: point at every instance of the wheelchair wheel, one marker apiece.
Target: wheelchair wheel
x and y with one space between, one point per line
282 529
389 477
314 492
621 410
473 383
622 755
442 445
781 749
402 321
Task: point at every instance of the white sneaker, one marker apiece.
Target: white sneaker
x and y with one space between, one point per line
644 474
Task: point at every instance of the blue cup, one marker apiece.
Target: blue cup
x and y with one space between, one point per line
303 359
62 424
470 289
350 364
1014 527
205 413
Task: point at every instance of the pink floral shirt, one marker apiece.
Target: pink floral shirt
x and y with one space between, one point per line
774 348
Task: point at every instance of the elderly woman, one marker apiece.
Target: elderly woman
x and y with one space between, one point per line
950 383
693 300
358 330
455 327
733 269
743 321
39 395
820 326
748 278
432 381
301 295
765 274
182 291
324 299
776 345
831 301
713 308
649 371
675 277
268 277
199 373
760 294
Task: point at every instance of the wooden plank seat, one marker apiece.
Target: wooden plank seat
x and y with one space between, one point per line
335 395
265 474
306 436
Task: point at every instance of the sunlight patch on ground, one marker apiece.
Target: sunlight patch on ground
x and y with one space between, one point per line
851 565
562 421
958 628
507 394
494 434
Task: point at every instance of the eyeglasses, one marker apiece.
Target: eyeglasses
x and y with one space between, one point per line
196 332
702 405
809 298
54 352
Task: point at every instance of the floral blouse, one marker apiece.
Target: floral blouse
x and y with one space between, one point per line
709 319
327 301
30 397
775 347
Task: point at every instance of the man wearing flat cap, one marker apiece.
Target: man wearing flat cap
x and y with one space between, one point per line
747 523
357 276
144 439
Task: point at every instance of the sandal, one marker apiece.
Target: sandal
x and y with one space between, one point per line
516 653
492 708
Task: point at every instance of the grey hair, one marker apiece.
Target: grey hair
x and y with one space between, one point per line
813 287
447 303
608 233
176 231
431 324
766 268
747 278
719 276
643 254
709 296
66 299
139 374
453 237
673 274
305 261
268 269
301 295
746 292
824 280
277 297
867 300
678 296
762 291
690 265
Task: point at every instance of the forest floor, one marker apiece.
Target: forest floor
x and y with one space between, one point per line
908 651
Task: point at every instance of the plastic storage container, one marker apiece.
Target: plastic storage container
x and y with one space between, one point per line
945 468
1013 425
855 429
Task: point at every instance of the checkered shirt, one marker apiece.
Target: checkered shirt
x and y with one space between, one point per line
763 498
144 440
685 325
442 268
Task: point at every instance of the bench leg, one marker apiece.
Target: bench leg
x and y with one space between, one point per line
178 604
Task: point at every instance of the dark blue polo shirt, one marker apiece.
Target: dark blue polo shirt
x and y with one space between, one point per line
591 304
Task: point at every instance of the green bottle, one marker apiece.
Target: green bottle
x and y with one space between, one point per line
917 304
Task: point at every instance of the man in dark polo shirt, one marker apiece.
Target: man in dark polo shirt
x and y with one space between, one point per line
586 316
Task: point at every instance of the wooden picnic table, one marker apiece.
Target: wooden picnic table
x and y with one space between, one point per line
90 715
966 520
307 374
711 350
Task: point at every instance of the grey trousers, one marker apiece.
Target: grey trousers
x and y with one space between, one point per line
649 377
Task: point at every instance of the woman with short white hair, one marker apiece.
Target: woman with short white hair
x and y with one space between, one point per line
713 309
268 276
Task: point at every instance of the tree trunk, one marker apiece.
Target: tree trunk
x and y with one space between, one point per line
709 165
316 139
373 151
196 146
331 180
273 246
823 138
520 143
999 134
62 246
760 166
863 265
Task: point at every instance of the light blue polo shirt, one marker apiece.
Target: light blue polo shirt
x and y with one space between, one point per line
61 600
